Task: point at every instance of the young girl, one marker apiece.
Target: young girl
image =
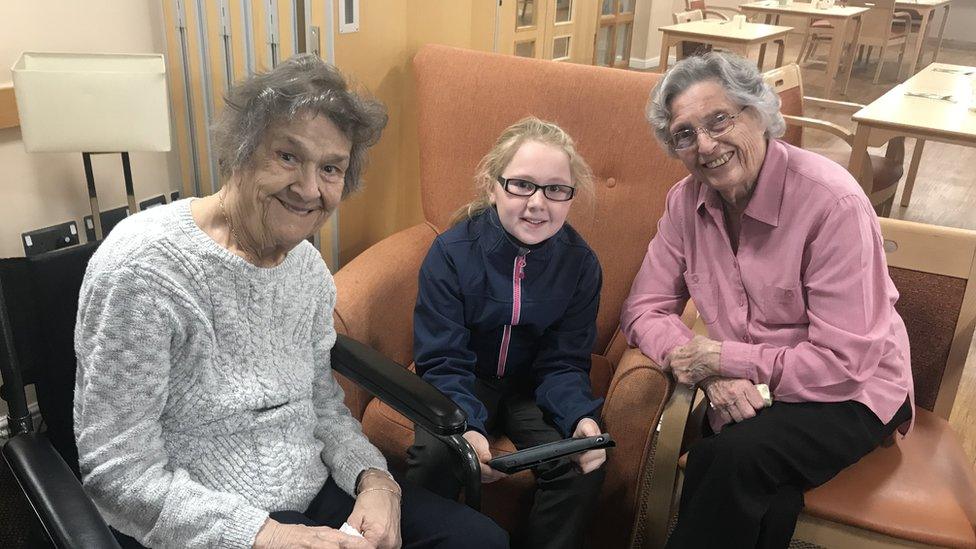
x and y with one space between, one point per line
504 324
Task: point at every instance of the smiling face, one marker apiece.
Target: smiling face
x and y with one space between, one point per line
731 162
294 181
533 219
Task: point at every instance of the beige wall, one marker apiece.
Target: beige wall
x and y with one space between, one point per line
379 57
43 189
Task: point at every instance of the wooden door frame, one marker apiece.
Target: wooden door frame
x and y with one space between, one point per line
614 22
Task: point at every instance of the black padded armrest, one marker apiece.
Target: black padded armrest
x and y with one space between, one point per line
64 509
403 390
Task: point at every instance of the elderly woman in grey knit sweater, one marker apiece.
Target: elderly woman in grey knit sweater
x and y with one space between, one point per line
206 412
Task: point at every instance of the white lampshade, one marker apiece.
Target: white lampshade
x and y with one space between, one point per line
92 102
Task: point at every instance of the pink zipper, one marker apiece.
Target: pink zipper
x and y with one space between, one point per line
518 273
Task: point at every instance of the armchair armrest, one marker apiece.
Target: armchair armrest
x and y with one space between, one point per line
713 12
403 390
413 397
831 104
376 294
906 18
822 125
67 513
645 400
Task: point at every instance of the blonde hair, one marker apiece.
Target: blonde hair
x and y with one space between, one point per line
508 143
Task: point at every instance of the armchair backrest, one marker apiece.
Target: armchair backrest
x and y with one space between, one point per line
467 98
687 16
876 23
788 84
934 269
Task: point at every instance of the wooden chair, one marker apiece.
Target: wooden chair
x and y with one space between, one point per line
459 117
688 48
881 27
886 170
711 12
919 491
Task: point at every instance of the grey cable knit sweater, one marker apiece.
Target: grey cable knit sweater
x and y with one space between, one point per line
204 397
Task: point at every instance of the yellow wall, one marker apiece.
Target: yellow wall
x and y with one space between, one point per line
379 58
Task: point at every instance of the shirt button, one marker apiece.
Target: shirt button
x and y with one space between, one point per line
694 278
789 293
742 303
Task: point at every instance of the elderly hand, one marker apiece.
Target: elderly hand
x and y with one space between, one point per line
733 399
481 449
696 360
376 513
589 460
275 535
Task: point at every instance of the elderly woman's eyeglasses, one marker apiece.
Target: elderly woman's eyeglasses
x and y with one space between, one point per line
720 124
521 187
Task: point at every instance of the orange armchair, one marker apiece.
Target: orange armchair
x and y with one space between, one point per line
465 99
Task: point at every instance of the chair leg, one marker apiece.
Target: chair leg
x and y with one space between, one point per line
803 47
901 56
814 42
877 73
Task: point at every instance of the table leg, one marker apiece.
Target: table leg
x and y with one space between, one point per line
781 52
906 193
762 55
923 29
938 46
850 57
662 64
833 61
859 163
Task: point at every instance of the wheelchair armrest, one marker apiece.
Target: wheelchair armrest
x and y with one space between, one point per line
403 390
67 513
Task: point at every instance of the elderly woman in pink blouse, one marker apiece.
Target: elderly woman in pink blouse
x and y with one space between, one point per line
781 253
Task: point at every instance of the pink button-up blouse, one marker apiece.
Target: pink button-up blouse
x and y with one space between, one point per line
805 306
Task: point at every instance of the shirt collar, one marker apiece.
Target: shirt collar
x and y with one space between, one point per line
767 197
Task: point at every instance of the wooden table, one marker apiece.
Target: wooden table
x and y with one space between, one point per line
926 9
898 113
724 34
840 18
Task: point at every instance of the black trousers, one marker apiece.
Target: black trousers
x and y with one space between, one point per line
426 520
744 486
564 499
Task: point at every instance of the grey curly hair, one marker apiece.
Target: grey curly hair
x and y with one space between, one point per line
303 84
739 77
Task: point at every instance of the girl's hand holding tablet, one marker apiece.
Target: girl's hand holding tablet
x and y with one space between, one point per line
589 460
480 445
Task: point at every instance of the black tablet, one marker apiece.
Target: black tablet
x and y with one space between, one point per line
530 457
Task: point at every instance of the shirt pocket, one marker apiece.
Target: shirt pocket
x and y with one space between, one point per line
704 293
784 305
